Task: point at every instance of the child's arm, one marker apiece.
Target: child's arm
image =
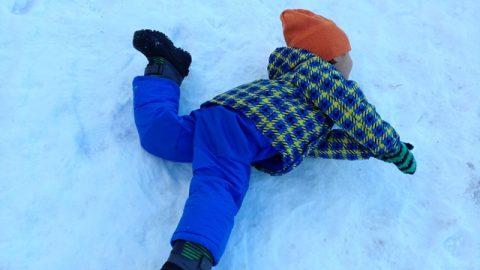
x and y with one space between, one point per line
338 145
343 102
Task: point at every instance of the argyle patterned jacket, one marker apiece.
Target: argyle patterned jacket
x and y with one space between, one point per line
298 106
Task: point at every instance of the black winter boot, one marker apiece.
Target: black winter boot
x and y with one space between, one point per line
188 256
164 59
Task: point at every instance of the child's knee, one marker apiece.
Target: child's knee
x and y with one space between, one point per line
230 178
159 135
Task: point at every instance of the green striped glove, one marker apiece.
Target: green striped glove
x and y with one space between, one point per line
402 158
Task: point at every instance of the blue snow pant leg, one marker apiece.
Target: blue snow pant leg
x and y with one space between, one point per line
225 144
221 146
162 132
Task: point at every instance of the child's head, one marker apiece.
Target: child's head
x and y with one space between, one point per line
321 36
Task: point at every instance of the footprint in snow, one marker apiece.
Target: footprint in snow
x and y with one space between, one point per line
21 7
461 245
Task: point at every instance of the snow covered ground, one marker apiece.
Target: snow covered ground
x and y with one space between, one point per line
78 192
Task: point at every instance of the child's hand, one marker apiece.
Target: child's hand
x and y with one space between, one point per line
402 158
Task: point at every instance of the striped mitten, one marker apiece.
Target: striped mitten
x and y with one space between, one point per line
402 158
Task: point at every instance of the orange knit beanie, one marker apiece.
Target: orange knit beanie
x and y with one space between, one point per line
306 30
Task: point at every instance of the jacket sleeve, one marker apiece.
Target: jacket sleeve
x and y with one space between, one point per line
338 145
344 103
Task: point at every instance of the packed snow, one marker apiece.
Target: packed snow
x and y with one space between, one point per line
78 192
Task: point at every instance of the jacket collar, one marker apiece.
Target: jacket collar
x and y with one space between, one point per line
285 60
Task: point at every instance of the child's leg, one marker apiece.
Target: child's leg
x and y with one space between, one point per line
162 132
224 147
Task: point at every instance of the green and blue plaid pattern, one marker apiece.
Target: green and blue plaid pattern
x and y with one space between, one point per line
298 106
338 145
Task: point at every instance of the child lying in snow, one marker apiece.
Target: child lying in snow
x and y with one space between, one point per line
271 124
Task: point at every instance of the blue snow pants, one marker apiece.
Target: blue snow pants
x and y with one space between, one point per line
221 145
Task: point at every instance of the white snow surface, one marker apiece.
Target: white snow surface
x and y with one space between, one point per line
78 192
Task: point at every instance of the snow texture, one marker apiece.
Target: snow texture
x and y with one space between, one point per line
78 192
